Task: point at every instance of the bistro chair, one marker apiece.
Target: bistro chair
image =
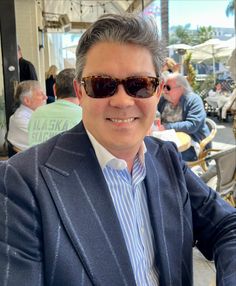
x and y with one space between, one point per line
11 149
221 176
232 111
203 150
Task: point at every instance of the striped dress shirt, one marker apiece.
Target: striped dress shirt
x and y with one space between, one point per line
129 197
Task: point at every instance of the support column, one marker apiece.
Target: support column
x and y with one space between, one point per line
9 53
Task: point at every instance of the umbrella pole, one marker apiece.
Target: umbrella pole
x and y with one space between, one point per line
214 69
213 65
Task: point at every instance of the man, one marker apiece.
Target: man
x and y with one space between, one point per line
29 95
181 109
27 69
101 204
51 119
231 102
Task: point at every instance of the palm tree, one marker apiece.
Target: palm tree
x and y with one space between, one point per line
231 10
181 34
165 21
204 34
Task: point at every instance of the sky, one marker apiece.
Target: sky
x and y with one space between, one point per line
198 13
194 12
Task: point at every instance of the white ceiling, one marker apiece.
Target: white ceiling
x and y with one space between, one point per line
87 11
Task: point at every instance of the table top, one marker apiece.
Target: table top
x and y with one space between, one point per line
217 101
185 141
181 139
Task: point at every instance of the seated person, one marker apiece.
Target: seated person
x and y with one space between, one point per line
58 116
217 97
103 204
227 105
181 109
217 90
170 66
29 96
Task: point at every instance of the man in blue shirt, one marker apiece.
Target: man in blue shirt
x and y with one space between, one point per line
182 110
102 204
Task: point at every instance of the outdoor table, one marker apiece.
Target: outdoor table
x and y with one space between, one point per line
181 139
185 141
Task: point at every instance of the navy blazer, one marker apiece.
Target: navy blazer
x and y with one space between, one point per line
58 225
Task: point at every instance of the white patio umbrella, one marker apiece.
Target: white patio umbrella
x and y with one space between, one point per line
226 48
179 47
207 50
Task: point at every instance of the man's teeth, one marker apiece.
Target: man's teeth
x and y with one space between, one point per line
122 120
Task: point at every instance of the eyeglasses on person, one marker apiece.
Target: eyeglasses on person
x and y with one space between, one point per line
106 86
169 88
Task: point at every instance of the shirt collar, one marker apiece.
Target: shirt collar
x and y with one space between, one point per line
106 158
26 108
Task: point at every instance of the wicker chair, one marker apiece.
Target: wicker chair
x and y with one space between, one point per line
232 111
221 175
203 151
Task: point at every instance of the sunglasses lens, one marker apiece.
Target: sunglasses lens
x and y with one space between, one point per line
167 87
100 87
140 87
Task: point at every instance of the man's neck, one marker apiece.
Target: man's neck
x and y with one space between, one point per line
127 155
71 99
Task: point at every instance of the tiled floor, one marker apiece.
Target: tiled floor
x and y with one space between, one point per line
203 270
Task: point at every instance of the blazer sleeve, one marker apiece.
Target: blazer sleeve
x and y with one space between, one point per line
20 232
214 226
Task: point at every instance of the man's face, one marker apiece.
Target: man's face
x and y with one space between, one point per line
37 99
218 86
172 91
119 122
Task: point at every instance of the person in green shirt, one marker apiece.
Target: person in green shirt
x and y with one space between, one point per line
58 116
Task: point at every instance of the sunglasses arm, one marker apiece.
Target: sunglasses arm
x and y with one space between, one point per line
161 85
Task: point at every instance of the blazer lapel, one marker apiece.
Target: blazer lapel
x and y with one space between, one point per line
82 199
166 213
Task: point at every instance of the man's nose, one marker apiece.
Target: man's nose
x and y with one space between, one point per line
121 98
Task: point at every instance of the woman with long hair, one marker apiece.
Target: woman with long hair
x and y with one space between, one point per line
50 77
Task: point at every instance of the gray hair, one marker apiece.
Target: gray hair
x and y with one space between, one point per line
64 83
181 80
127 29
24 89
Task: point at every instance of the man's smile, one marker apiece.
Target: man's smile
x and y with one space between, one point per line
120 120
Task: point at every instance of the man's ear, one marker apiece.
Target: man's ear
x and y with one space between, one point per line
26 101
160 88
78 89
